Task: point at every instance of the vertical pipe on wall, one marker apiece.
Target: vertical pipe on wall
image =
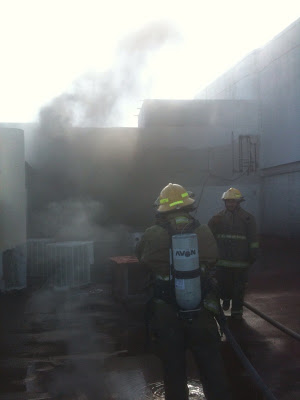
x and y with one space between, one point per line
232 150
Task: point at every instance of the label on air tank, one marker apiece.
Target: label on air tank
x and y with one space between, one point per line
185 253
179 284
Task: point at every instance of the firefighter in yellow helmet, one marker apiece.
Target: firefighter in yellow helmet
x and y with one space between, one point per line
180 255
236 235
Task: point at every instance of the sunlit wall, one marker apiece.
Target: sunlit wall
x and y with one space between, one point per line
271 75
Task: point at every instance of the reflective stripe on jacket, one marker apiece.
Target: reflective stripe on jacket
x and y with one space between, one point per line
234 264
236 237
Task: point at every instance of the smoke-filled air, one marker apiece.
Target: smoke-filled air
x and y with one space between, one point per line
82 177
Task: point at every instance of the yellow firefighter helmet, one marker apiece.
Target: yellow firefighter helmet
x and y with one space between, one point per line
173 197
232 194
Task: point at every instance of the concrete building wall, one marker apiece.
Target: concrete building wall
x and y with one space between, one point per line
29 129
271 76
238 83
281 204
279 80
212 118
12 189
196 144
213 126
12 210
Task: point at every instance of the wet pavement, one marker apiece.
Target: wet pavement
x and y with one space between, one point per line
274 289
83 344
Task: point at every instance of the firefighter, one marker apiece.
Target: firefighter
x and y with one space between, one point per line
174 327
236 235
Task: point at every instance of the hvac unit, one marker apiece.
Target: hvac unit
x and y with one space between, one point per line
37 266
69 263
14 268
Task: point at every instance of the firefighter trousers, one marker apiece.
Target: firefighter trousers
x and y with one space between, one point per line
232 284
172 336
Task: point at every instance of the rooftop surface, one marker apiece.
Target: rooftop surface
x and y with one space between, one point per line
83 344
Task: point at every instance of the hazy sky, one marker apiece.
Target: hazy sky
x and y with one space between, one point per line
47 45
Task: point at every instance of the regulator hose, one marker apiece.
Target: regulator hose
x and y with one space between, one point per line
244 360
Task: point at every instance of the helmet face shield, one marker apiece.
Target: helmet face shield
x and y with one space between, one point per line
173 197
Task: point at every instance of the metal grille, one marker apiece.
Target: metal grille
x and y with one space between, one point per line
36 258
69 263
14 268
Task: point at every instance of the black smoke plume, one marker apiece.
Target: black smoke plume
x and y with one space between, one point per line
77 161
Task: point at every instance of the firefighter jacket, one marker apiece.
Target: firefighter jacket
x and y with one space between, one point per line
236 237
154 247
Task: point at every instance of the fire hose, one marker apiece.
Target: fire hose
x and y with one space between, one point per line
284 329
244 360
